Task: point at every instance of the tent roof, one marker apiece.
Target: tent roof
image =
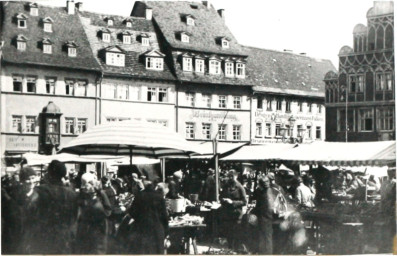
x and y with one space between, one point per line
258 152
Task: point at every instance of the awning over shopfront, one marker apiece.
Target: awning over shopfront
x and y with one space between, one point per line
37 159
271 151
379 153
205 148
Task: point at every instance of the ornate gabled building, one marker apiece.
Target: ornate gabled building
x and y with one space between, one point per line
213 92
136 81
360 99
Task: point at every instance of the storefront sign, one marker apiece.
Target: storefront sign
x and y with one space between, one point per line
212 116
22 143
279 116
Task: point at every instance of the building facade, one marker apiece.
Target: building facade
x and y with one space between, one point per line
360 99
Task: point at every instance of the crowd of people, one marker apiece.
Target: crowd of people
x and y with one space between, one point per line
63 213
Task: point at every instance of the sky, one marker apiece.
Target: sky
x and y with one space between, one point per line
318 28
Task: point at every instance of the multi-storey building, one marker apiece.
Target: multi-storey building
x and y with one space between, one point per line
360 99
213 90
288 96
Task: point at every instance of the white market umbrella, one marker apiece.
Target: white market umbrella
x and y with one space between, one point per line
130 138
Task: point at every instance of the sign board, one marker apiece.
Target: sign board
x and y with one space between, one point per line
22 143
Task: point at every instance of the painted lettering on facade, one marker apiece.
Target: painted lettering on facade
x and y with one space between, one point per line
280 116
211 116
26 143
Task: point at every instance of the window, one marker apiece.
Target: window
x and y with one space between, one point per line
72 52
278 129
268 130
318 132
34 11
269 105
259 103
222 132
288 106
31 84
309 106
128 24
207 100
115 59
21 23
356 84
229 69
287 130
189 130
47 27
81 125
50 85
279 105
300 106
258 130
126 39
47 48
69 125
380 83
300 130
384 81
386 119
110 22
237 102
154 63
122 92
240 70
200 66
81 88
185 38
207 131
366 120
30 124
190 21
389 82
222 101
17 83
163 95
187 64
342 125
215 67
309 131
145 41
134 92
151 94
105 37
21 46
69 87
190 99
319 108
17 123
236 132
225 43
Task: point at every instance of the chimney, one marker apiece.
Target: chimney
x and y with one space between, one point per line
207 4
221 13
149 13
79 6
70 6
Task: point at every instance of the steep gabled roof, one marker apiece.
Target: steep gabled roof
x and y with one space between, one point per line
66 28
287 73
154 53
208 25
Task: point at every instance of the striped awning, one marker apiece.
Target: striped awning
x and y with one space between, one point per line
379 153
129 138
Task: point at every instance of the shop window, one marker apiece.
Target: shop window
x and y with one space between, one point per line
190 131
16 124
190 99
17 83
258 131
222 101
207 100
81 125
222 132
50 85
386 119
366 120
31 84
237 102
236 132
207 131
30 124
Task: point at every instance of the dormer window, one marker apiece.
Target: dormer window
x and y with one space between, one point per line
34 11
214 66
47 46
154 60
115 56
185 38
21 43
47 24
240 70
229 69
225 43
72 48
109 21
128 24
21 18
190 20
145 40
187 63
106 35
199 65
126 37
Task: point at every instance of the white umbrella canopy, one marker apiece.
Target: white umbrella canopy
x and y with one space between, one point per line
130 138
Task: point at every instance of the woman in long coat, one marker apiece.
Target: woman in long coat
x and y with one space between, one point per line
150 225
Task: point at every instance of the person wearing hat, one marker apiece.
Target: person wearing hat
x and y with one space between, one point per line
53 215
174 185
233 198
136 184
15 205
209 187
303 194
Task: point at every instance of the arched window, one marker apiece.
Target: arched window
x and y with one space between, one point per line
356 44
380 37
360 44
389 37
331 94
371 39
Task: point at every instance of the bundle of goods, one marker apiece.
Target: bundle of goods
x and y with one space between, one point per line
186 220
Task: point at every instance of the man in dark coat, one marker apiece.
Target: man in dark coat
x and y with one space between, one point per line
174 186
209 190
151 222
53 215
233 198
264 211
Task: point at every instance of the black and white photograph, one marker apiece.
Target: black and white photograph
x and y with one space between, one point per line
197 127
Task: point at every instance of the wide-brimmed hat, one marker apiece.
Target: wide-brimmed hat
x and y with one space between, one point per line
26 172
